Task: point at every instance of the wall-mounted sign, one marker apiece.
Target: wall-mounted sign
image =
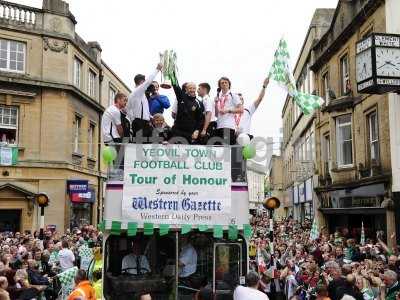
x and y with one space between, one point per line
88 197
177 184
77 186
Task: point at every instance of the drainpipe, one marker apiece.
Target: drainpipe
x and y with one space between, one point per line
99 179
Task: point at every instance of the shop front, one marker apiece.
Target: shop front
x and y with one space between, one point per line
82 198
303 200
346 209
16 208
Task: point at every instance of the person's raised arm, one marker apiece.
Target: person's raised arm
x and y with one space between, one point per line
262 93
143 87
178 91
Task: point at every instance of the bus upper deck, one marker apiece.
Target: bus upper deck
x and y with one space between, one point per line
175 219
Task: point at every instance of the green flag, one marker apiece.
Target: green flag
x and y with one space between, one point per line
282 74
362 241
8 156
314 234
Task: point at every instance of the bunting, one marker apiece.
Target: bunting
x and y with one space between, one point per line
131 229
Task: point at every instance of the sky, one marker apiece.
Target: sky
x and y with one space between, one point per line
212 38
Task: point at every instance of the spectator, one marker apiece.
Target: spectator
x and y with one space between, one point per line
66 257
160 128
83 288
4 295
250 292
34 275
157 103
392 285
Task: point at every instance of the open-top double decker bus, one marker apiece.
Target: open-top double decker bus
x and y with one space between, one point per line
166 198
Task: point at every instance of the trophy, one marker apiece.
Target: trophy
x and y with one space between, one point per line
168 59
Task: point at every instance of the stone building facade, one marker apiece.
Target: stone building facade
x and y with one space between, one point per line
54 87
276 179
299 130
353 161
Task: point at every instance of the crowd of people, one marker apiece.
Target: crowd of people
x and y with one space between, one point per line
30 267
297 266
198 117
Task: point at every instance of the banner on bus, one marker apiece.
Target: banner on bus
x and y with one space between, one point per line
177 184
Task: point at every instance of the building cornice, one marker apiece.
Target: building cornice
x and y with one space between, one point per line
368 9
8 78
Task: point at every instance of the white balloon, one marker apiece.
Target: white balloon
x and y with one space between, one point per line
243 139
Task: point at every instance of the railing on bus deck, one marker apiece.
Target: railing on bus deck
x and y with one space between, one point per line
115 170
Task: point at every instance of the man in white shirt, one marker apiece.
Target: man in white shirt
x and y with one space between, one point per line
135 263
210 121
245 118
66 257
138 105
187 259
250 292
227 105
111 123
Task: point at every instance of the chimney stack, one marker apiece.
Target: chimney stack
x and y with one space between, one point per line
56 6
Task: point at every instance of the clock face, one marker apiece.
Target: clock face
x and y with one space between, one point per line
364 65
388 62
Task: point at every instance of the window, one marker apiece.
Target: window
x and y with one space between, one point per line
12 56
312 146
8 124
77 134
344 75
91 140
111 96
373 137
368 32
92 83
307 148
344 141
77 72
326 153
325 86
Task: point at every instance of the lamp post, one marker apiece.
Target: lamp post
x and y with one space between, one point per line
42 200
271 204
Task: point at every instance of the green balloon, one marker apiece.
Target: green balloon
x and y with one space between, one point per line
249 151
109 154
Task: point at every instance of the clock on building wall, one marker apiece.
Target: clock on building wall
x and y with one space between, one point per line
378 64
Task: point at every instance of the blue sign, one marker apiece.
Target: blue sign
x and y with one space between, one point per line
77 186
